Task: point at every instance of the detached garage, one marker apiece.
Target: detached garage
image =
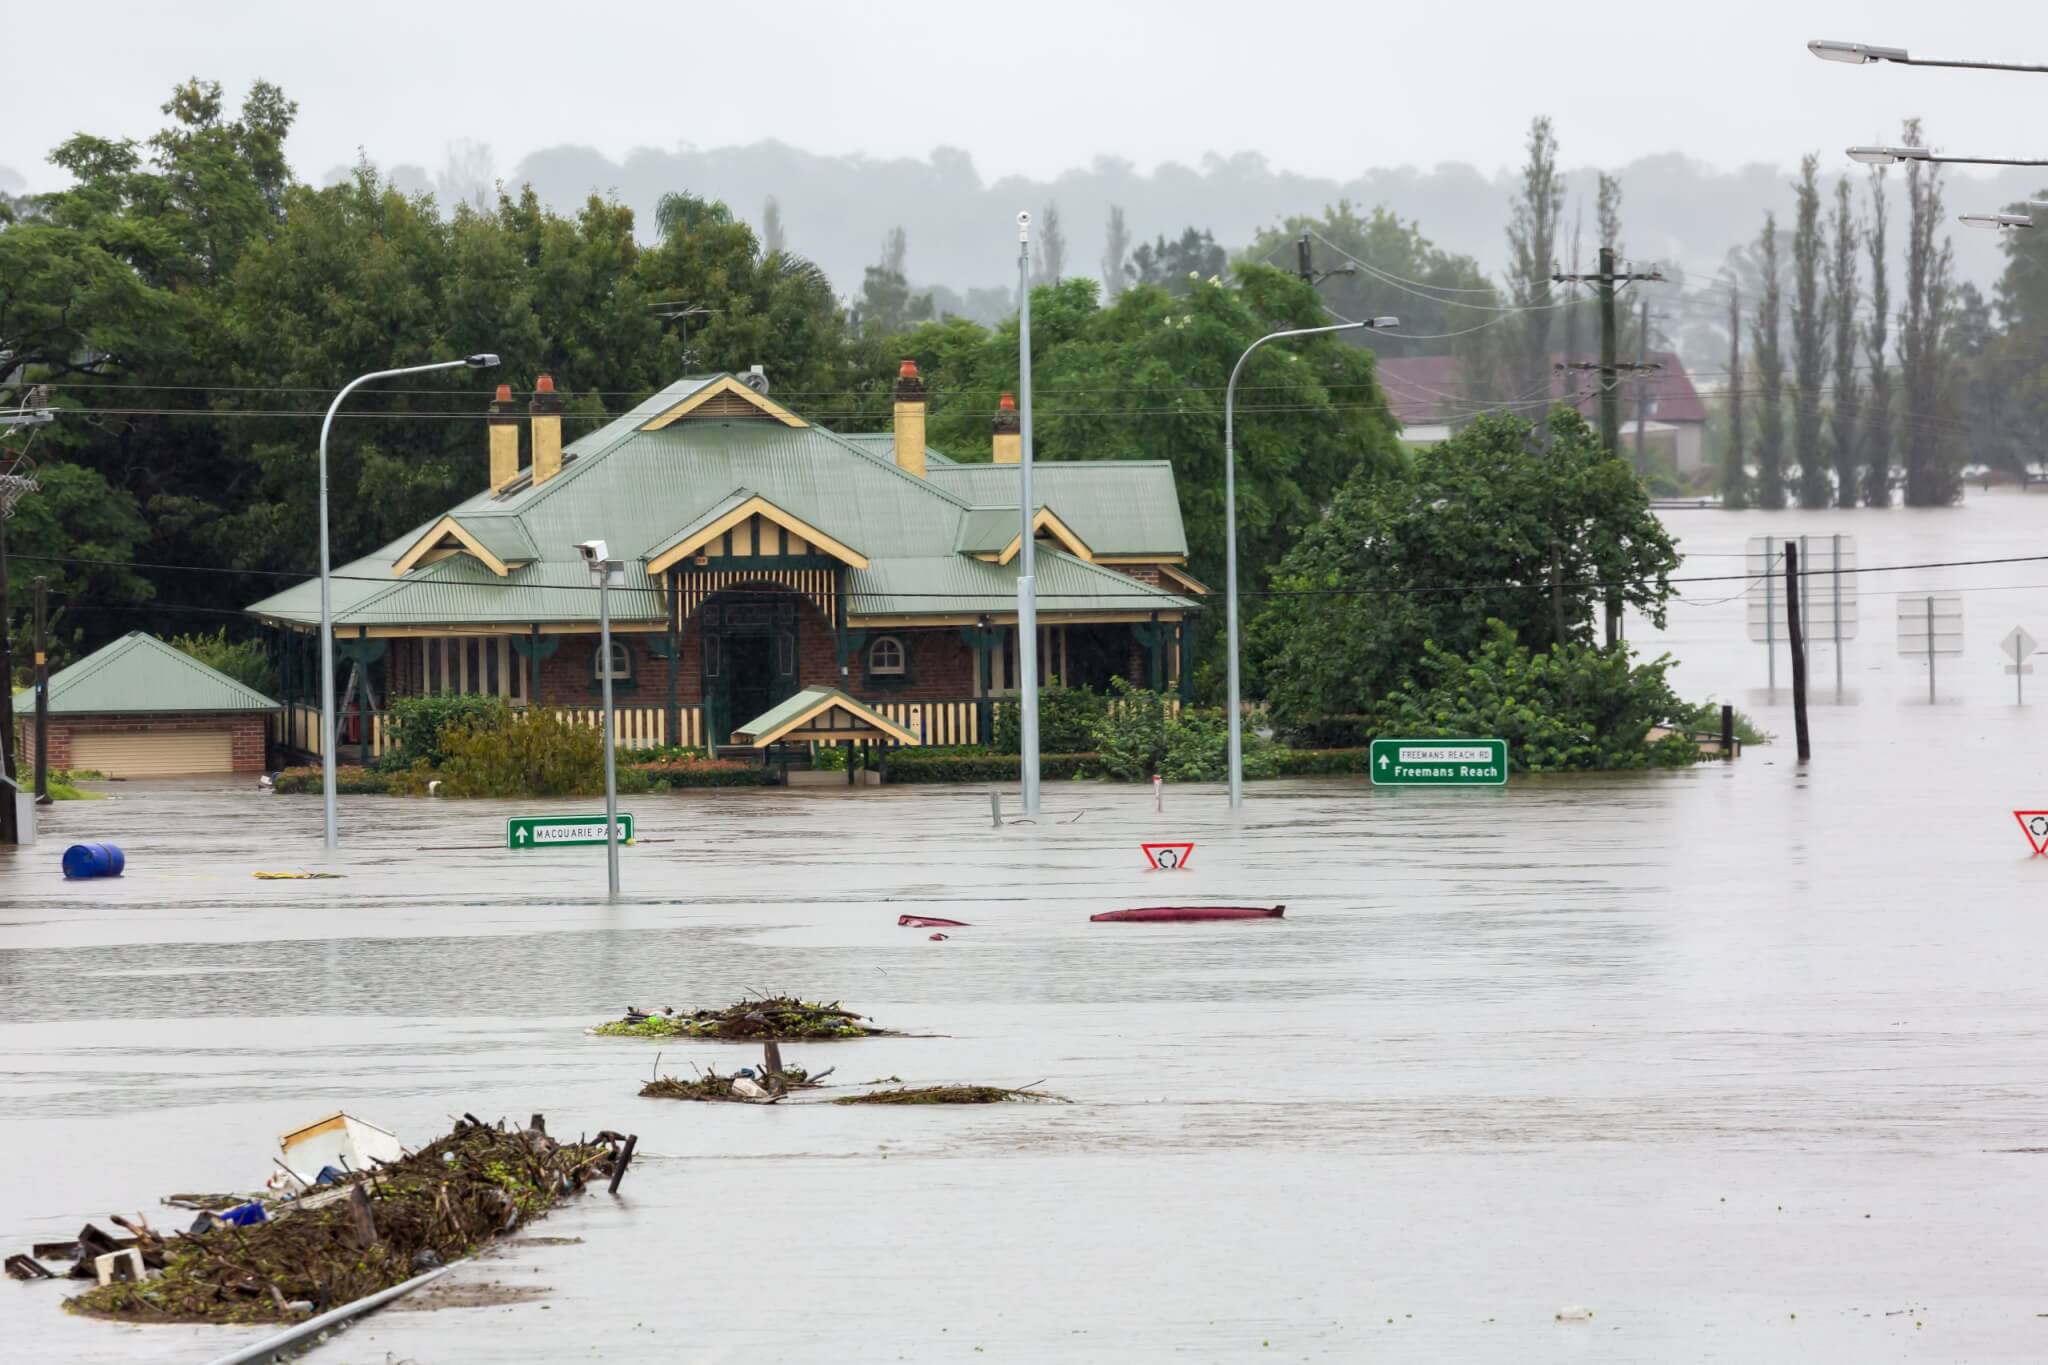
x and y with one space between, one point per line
139 708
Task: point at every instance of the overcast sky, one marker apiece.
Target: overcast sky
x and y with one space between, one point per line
1327 87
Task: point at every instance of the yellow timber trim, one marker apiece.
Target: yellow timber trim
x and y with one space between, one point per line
1063 533
756 506
1141 559
1045 618
440 531
1184 578
344 631
710 391
856 710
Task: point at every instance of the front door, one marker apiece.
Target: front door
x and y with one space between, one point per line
751 662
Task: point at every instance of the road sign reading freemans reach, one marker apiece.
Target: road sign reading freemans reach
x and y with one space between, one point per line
1439 762
562 831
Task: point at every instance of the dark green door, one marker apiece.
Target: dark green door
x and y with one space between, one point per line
750 667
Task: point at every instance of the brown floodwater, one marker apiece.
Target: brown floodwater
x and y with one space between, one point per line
1742 1058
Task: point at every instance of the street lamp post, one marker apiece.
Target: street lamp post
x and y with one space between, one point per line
1892 156
1027 560
1858 54
481 361
1994 221
1230 521
607 573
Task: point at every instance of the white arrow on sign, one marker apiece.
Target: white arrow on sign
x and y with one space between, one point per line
521 836
1383 762
2019 644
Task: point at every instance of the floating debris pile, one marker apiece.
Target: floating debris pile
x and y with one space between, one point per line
953 1094
769 1083
285 1259
781 1018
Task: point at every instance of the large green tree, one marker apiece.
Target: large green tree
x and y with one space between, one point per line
1485 526
1809 336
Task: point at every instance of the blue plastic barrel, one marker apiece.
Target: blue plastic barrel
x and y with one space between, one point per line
93 860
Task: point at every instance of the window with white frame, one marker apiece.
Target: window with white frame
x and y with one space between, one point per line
885 657
621 662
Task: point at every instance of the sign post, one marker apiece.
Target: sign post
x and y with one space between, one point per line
2017 647
1439 762
565 831
1930 624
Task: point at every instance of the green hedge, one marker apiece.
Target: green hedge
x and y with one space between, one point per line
1324 762
702 772
980 765
347 781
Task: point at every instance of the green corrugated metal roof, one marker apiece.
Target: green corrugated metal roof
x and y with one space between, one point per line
502 535
987 530
140 674
1120 507
783 712
958 583
883 443
641 490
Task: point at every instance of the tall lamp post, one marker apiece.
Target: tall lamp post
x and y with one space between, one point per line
607 573
1858 54
327 737
1027 560
1230 520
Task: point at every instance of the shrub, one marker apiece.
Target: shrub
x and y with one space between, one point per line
1570 707
672 774
348 781
830 758
1706 719
982 765
246 661
1067 717
523 753
1328 732
422 726
661 753
1137 738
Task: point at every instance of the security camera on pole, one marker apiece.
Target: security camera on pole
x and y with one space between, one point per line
1027 564
607 573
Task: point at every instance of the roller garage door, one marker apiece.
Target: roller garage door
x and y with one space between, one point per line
154 755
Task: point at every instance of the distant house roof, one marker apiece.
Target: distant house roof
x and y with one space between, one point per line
140 674
706 453
1430 390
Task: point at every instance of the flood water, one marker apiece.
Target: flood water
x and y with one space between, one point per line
1742 1058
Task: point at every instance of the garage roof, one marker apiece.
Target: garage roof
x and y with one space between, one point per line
139 674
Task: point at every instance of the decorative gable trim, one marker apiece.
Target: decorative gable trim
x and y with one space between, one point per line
755 506
724 397
1048 523
424 549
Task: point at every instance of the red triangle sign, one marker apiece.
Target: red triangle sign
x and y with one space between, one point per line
2035 823
1168 857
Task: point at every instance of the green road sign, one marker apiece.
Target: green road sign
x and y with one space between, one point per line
562 831
1439 762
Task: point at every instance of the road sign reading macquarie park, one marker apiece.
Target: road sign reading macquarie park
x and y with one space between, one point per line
562 831
1439 762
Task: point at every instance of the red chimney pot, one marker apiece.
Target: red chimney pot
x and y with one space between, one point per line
544 384
908 370
504 394
1008 402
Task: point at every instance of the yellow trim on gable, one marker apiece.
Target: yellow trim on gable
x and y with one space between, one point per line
875 718
710 391
1046 520
1141 559
431 541
767 511
1184 578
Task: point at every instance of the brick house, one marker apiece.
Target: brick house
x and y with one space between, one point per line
139 708
765 555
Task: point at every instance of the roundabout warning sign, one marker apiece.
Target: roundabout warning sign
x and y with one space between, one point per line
1168 857
2035 823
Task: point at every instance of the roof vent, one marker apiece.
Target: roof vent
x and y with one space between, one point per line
756 379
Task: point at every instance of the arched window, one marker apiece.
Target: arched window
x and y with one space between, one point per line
885 657
621 664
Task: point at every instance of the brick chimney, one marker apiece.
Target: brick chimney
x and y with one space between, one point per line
1009 442
504 427
546 410
910 419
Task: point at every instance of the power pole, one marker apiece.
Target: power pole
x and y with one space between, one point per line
1609 279
42 689
1304 262
1734 464
1642 386
17 479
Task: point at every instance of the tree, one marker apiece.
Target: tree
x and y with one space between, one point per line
1770 373
886 303
1532 257
1877 430
1809 336
1839 306
1049 248
772 239
1179 266
1433 555
1116 246
1734 474
1923 358
1395 270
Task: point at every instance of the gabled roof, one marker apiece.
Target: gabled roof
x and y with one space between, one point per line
1430 390
672 469
955 584
1047 523
1121 508
139 674
883 443
823 713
